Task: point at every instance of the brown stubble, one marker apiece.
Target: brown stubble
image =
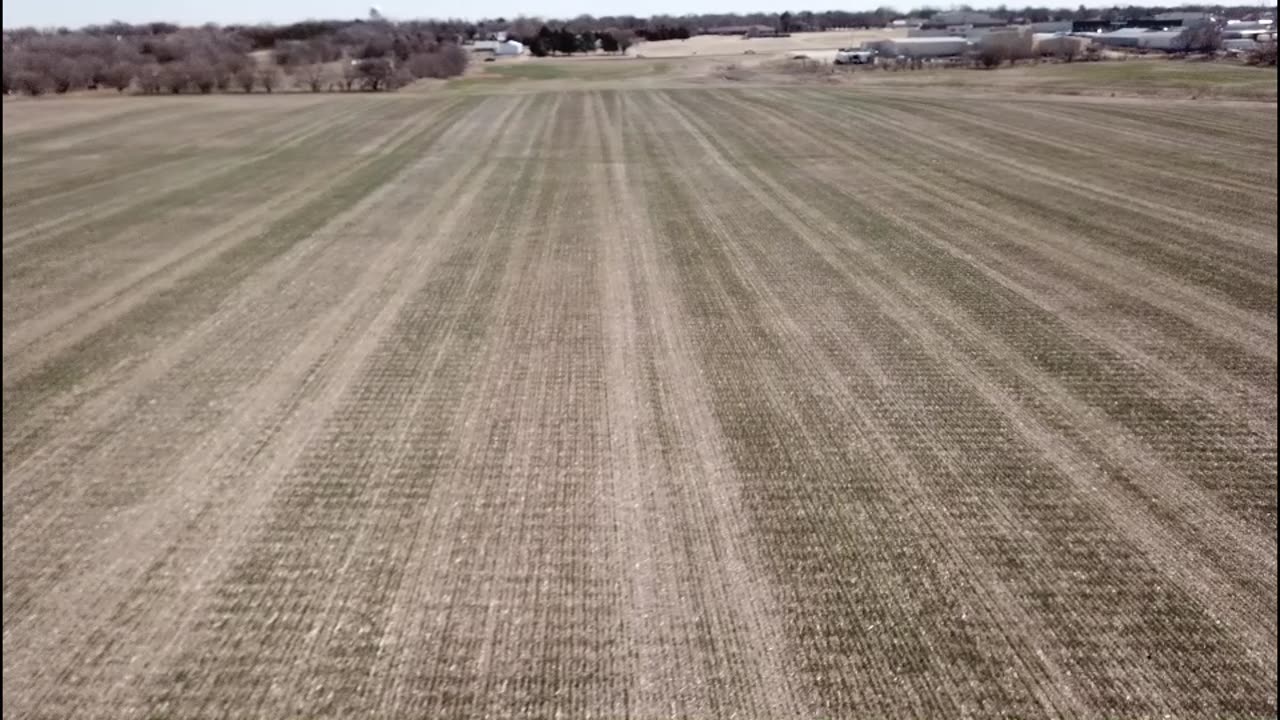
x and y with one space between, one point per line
201 385
624 403
1166 553
702 618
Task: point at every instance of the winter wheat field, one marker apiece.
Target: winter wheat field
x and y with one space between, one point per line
753 402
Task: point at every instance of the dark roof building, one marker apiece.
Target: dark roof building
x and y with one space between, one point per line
960 17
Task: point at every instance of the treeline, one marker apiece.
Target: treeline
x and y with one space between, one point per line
320 55
563 41
164 58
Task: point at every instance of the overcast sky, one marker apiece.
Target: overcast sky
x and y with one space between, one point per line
75 13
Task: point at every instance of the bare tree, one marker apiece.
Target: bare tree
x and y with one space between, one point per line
246 78
120 76
455 59
149 79
316 76
998 46
224 74
989 56
31 82
374 73
1264 55
200 73
625 39
425 65
1203 37
400 78
173 77
67 74
269 78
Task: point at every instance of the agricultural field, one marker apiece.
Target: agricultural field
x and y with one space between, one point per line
756 402
1153 78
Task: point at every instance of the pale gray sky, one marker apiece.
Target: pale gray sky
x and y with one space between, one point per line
75 13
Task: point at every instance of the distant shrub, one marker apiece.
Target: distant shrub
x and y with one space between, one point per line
269 78
30 82
1264 56
246 78
447 61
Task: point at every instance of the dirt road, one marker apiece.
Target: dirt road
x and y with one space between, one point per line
767 403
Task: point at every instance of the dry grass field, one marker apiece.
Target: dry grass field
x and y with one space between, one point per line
716 402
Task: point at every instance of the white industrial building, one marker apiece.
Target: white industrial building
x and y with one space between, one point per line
1162 40
500 48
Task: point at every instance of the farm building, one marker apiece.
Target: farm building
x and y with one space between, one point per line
1057 26
1162 40
1235 32
1182 19
500 48
1237 26
1250 42
1122 38
962 18
1092 25
954 31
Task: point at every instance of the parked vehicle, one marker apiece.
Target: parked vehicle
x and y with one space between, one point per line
852 56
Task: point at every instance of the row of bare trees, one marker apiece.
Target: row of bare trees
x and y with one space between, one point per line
165 59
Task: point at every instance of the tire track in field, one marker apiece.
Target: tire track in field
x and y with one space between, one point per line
87 129
1236 272
1153 185
28 345
59 380
165 599
75 187
106 495
837 441
1212 317
1222 609
1142 141
509 590
821 504
1165 191
1222 158
656 411
1216 334
1255 499
1187 120
197 196
190 188
915 227
144 338
121 152
373 452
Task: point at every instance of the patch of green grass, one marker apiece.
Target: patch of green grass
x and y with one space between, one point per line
567 69
1146 76
529 71
1157 75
